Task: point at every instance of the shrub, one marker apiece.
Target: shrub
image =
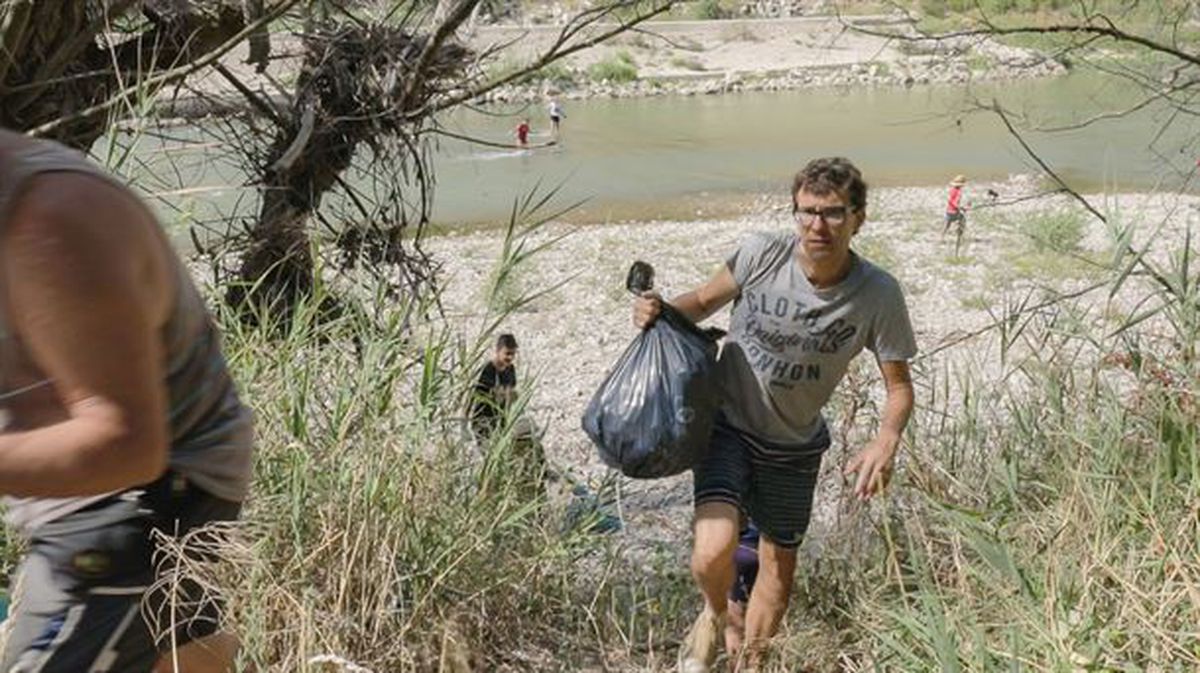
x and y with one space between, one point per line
1054 230
556 73
711 10
615 69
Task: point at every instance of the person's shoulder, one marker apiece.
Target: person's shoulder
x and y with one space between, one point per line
77 208
877 277
767 241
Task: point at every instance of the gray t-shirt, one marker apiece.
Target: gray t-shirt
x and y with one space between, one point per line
789 343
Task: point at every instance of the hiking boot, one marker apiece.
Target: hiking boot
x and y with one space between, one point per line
700 648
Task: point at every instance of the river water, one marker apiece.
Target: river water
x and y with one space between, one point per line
682 157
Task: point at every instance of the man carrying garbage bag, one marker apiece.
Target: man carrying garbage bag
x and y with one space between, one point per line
804 305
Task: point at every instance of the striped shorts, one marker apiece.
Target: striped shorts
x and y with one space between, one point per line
772 483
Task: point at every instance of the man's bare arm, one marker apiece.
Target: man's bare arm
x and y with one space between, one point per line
873 464
696 304
86 283
897 379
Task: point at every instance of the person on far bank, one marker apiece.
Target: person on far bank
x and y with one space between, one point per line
956 212
804 305
119 422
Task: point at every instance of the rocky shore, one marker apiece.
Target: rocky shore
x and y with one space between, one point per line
926 70
684 58
714 57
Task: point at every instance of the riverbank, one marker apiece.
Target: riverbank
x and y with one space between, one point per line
681 58
712 57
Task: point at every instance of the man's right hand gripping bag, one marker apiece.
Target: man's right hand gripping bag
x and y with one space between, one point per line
653 415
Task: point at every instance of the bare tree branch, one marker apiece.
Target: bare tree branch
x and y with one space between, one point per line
996 107
1117 114
1110 31
258 102
460 13
168 76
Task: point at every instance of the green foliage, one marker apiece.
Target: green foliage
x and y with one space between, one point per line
877 249
1057 230
1048 247
975 302
381 532
617 69
555 73
994 8
978 62
710 10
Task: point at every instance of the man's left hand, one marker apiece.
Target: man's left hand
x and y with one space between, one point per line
874 467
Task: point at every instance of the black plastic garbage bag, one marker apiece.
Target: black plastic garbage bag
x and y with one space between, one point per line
653 415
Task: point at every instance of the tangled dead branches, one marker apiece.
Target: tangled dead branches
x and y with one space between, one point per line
357 88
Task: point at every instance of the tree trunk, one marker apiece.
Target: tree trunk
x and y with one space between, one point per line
306 158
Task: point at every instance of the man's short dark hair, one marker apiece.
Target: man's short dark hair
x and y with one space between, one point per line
506 341
828 175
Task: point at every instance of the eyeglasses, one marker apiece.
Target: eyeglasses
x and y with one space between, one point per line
834 215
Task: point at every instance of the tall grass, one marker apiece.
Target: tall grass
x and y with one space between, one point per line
380 535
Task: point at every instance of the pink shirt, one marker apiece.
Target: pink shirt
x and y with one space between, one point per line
955 195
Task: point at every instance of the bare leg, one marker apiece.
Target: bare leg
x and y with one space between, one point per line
210 654
712 555
713 569
769 600
735 629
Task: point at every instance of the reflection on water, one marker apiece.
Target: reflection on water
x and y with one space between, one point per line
669 157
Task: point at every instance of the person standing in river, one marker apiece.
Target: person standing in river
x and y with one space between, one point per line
804 305
557 114
120 422
522 133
